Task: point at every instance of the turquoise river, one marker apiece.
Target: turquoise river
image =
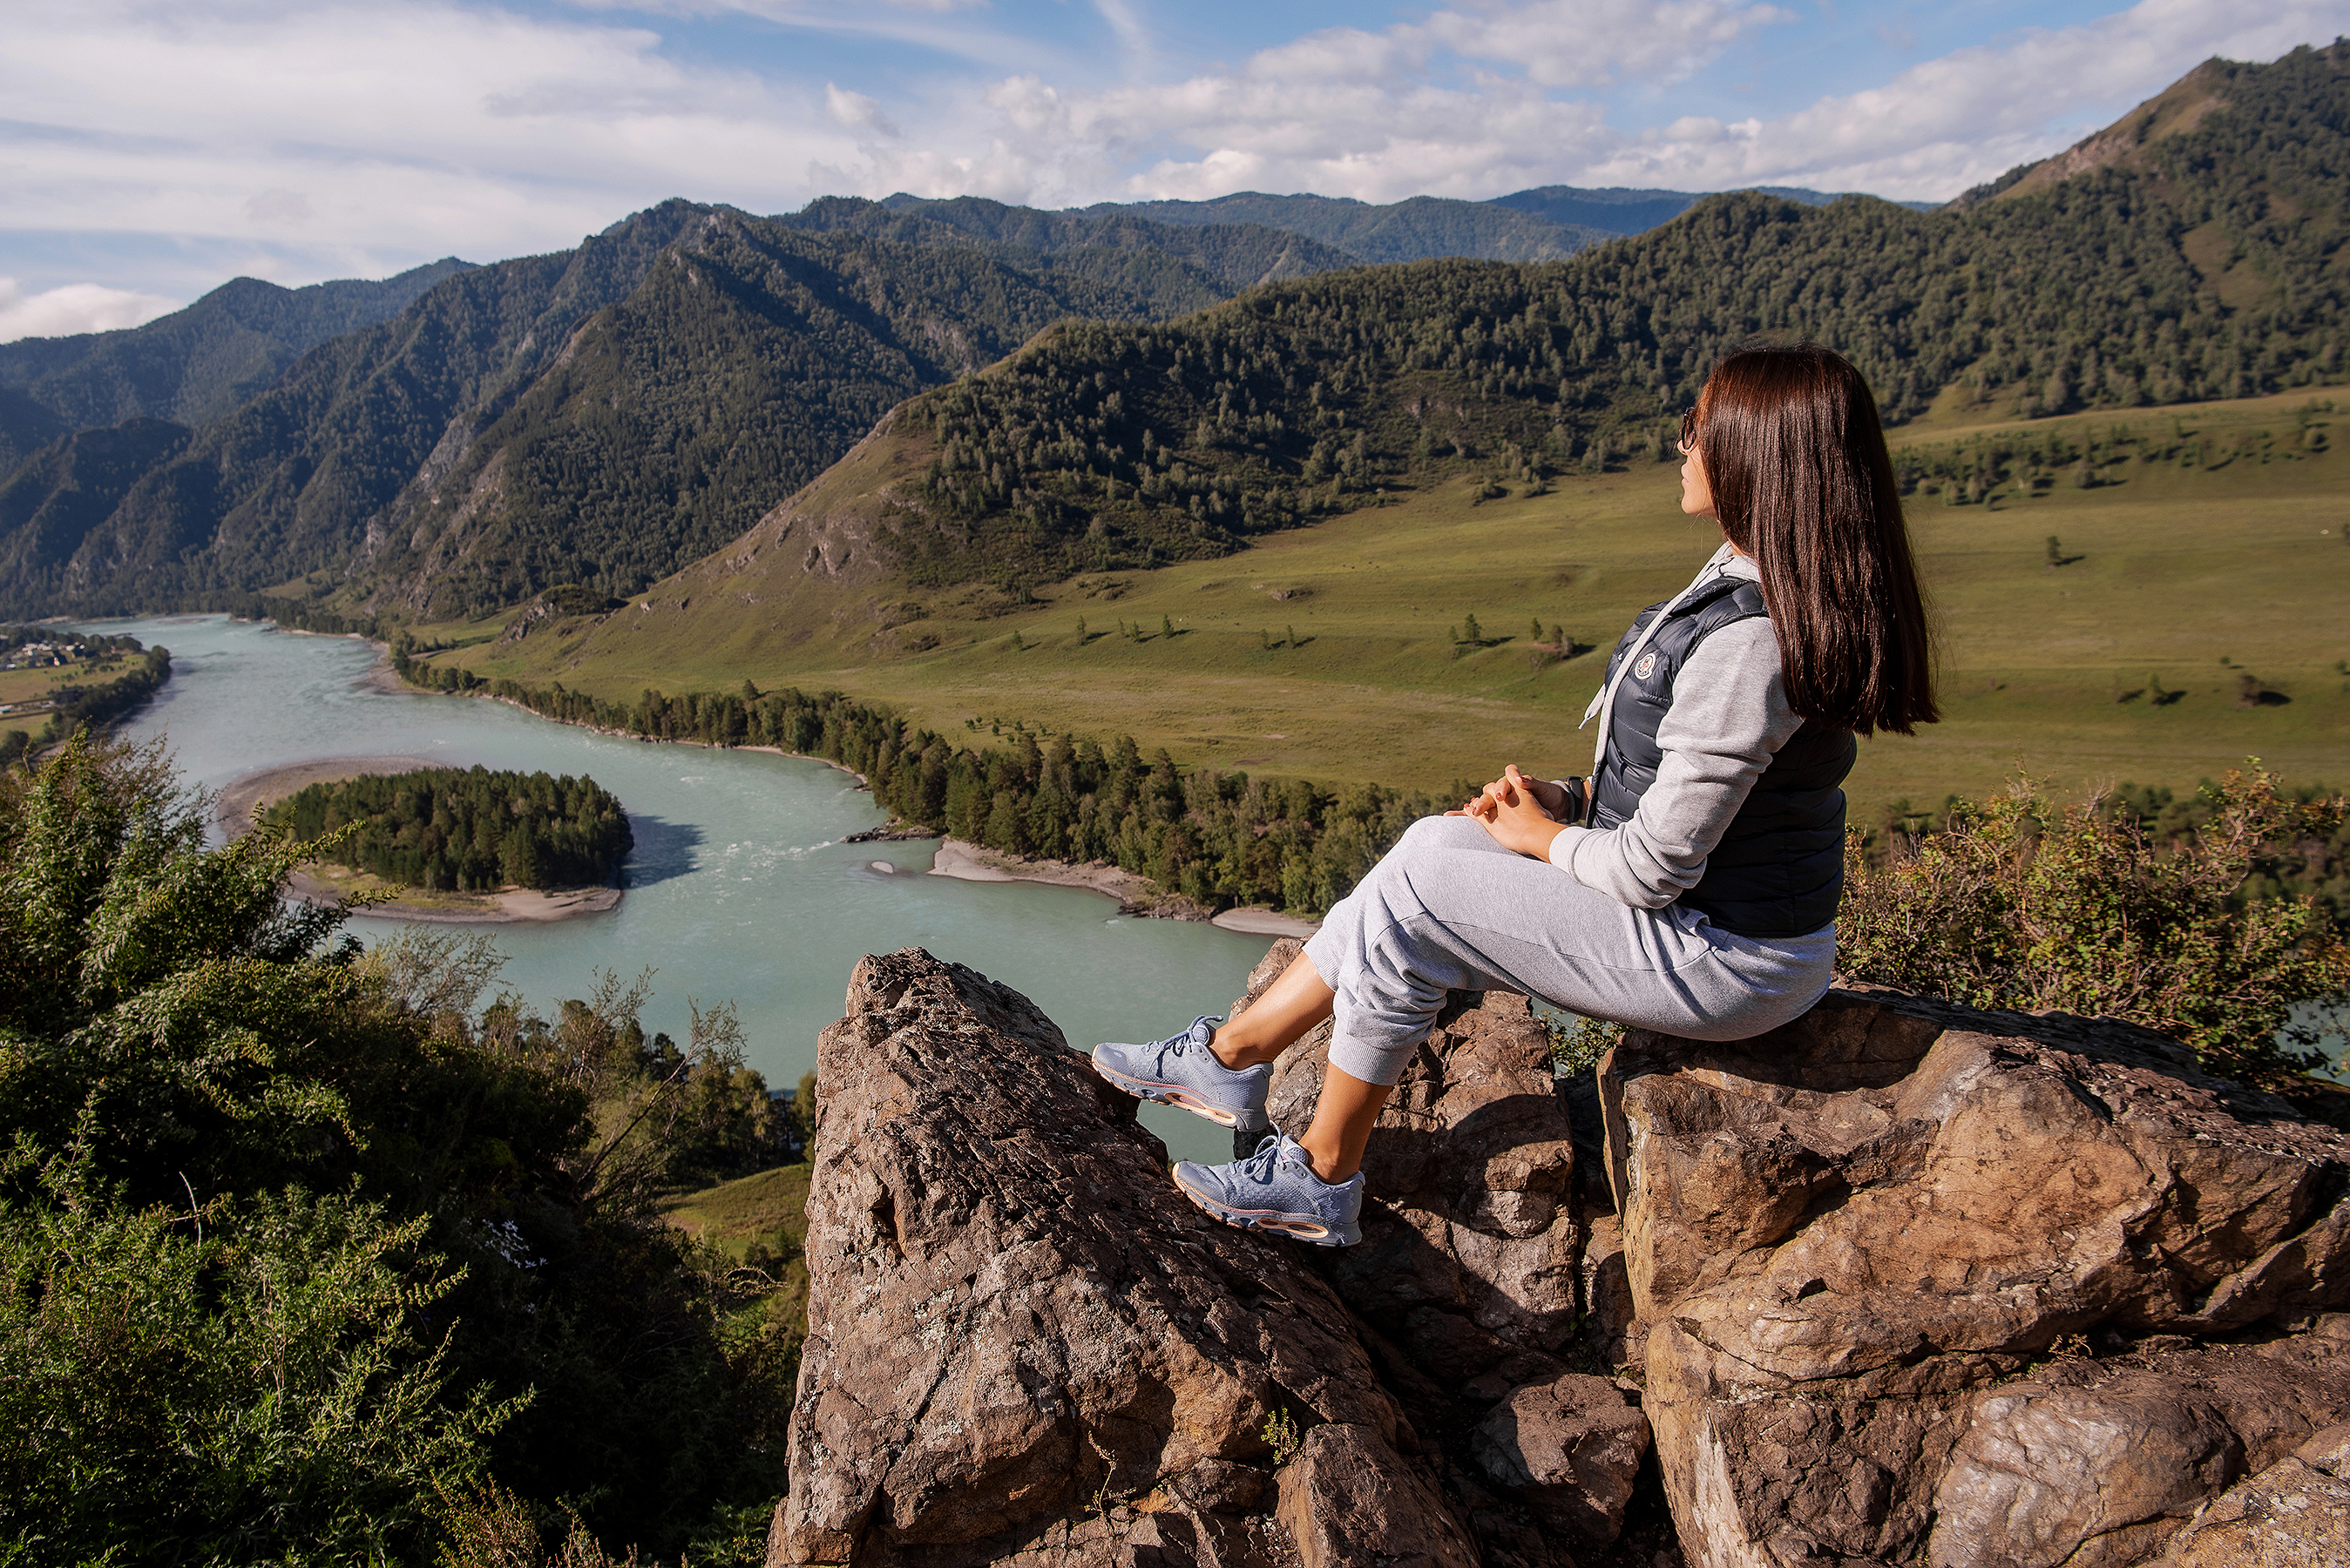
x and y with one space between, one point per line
741 887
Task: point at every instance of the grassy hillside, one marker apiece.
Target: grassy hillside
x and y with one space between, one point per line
2178 579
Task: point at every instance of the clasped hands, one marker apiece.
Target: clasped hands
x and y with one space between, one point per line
1522 813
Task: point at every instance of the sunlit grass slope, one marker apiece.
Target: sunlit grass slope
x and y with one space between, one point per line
1330 652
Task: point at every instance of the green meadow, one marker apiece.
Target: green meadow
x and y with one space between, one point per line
2208 550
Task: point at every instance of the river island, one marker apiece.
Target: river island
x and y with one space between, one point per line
244 801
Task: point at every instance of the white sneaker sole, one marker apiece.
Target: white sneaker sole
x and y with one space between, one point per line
1303 1228
1174 1095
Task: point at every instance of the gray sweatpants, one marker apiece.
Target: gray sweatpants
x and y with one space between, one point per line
1449 910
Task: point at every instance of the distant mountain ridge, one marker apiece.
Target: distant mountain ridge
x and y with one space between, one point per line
1546 224
190 367
1228 256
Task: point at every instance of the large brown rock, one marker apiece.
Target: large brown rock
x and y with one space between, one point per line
1346 1500
1843 1237
1022 1346
1569 1450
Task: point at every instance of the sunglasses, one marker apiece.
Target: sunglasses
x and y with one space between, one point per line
1689 429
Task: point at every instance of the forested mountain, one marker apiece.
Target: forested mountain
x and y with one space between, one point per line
1117 248
1413 229
588 417
63 494
193 366
742 366
25 427
289 482
2215 270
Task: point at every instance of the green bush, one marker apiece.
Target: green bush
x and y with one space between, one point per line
2019 902
303 1254
254 1377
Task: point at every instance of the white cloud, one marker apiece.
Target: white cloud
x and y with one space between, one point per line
855 111
1955 121
1375 115
1581 43
75 308
340 138
404 128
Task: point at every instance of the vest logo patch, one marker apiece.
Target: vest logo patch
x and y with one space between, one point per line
1645 667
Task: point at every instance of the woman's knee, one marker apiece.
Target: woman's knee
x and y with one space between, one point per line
1443 833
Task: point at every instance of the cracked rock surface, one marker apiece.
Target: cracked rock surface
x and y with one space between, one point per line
1025 1347
1866 1245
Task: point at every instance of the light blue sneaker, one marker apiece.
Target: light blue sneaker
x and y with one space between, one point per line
1275 1190
1181 1071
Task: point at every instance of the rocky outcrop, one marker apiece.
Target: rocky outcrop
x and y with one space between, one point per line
2294 1514
1902 1283
1865 1246
1022 1345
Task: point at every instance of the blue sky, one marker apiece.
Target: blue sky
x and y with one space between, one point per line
151 148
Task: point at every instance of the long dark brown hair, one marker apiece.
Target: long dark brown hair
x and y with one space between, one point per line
1796 456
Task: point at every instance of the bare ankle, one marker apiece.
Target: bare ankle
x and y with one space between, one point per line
1237 1051
1323 1166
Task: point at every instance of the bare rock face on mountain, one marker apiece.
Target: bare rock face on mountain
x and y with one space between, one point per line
1022 1346
1921 1284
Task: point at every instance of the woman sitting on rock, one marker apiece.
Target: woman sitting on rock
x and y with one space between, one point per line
1690 885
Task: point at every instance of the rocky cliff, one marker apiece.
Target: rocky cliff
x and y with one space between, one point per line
1899 1283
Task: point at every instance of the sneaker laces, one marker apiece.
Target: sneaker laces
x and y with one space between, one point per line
1177 1045
1259 1166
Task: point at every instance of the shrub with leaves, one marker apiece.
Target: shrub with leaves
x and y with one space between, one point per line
2019 902
250 1379
303 1253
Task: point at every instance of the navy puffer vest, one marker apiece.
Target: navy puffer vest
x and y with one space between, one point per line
1779 869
